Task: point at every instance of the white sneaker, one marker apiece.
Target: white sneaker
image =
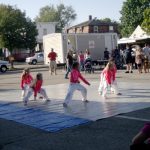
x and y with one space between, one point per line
85 100
25 103
100 92
104 96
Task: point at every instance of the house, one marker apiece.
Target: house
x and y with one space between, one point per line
93 26
44 28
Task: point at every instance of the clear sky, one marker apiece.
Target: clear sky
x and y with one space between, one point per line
83 8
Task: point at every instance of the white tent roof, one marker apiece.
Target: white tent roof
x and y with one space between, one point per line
138 34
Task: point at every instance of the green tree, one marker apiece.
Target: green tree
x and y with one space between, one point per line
16 31
108 20
132 15
146 21
47 14
62 14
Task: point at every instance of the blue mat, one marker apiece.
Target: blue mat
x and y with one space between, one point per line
38 118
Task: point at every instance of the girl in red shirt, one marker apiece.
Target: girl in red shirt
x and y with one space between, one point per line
75 84
108 79
26 80
36 87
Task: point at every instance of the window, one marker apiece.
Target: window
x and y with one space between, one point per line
44 31
95 29
40 55
111 28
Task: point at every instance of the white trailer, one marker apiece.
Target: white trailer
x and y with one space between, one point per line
95 42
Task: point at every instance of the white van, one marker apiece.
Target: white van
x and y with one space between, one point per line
37 58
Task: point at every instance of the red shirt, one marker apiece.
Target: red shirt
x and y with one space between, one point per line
26 79
52 56
37 87
75 75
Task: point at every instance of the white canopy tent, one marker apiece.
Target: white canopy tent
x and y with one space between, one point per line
137 35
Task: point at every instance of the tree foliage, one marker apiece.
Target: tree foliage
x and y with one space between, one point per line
146 21
132 15
62 14
16 31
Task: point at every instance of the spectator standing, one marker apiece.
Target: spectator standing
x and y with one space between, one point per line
106 54
87 54
52 57
146 52
128 59
69 63
139 58
81 60
75 57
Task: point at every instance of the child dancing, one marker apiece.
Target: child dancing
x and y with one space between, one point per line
108 79
75 85
26 80
36 87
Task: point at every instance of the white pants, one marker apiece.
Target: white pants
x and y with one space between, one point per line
31 91
25 90
72 88
104 86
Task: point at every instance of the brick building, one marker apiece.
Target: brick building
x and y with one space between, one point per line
93 26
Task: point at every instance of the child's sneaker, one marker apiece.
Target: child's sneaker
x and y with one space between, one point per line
40 97
25 103
65 105
48 100
119 94
104 96
100 92
85 100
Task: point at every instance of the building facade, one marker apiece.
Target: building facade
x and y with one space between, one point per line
93 26
44 28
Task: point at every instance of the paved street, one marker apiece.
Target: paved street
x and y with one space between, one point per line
113 133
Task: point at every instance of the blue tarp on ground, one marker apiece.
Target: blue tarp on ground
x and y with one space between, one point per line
39 118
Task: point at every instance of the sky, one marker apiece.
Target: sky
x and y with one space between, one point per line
83 8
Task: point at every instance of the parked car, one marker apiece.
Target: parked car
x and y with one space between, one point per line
37 58
4 65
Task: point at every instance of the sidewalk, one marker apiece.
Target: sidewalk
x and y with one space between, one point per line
22 65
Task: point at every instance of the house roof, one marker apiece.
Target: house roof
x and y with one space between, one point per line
94 22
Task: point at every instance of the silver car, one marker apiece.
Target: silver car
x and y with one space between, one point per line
37 58
4 66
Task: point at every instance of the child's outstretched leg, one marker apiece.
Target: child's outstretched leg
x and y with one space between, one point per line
100 89
43 93
69 95
104 92
29 94
24 91
83 91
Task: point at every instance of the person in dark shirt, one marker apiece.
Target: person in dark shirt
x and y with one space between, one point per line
128 59
106 54
69 63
